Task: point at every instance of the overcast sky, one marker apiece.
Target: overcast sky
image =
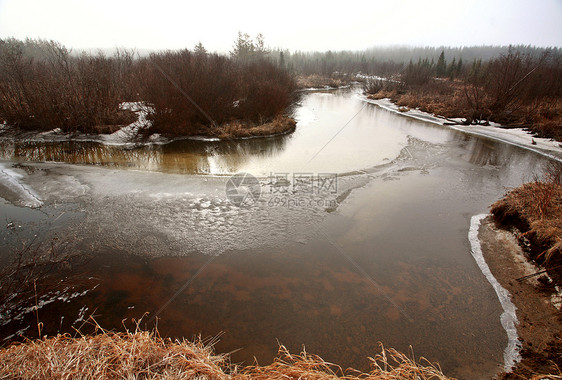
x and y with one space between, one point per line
294 25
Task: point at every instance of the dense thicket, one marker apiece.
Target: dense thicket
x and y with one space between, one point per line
44 86
194 90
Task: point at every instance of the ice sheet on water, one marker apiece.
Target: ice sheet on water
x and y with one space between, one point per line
14 190
160 214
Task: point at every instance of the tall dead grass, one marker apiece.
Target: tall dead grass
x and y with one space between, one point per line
536 209
146 355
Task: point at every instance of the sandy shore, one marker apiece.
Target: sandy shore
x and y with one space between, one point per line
540 323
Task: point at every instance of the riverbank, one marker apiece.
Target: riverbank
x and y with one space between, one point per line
523 241
540 326
147 355
519 137
466 103
238 130
319 81
139 131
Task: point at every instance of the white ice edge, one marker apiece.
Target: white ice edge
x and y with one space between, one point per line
11 180
513 136
508 318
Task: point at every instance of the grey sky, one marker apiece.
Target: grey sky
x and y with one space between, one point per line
294 25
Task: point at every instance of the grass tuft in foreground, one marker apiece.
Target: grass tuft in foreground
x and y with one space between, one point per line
146 355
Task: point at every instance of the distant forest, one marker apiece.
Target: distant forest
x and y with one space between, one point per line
385 61
381 61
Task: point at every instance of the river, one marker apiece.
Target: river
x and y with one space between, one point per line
358 236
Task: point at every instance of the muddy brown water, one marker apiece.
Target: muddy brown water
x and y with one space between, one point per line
391 263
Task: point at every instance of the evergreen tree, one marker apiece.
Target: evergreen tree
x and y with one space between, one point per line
452 69
199 49
441 67
459 68
245 49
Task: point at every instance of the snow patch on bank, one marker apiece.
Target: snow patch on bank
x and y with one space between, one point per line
513 136
508 319
131 131
10 180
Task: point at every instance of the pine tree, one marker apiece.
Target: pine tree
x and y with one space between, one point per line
243 48
459 68
441 67
199 49
452 70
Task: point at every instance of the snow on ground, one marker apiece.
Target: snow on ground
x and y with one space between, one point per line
513 136
131 131
127 135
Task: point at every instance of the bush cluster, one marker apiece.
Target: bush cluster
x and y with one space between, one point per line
44 86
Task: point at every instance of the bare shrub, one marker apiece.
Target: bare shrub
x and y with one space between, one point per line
373 86
54 89
190 93
417 75
42 86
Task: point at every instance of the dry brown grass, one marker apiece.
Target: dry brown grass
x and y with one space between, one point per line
146 355
447 98
388 365
444 98
109 356
320 81
237 129
536 209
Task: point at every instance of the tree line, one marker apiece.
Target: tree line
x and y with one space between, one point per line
44 85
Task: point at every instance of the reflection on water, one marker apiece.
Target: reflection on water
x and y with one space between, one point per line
364 137
184 156
342 136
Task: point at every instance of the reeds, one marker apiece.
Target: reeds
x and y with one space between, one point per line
388 365
146 355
